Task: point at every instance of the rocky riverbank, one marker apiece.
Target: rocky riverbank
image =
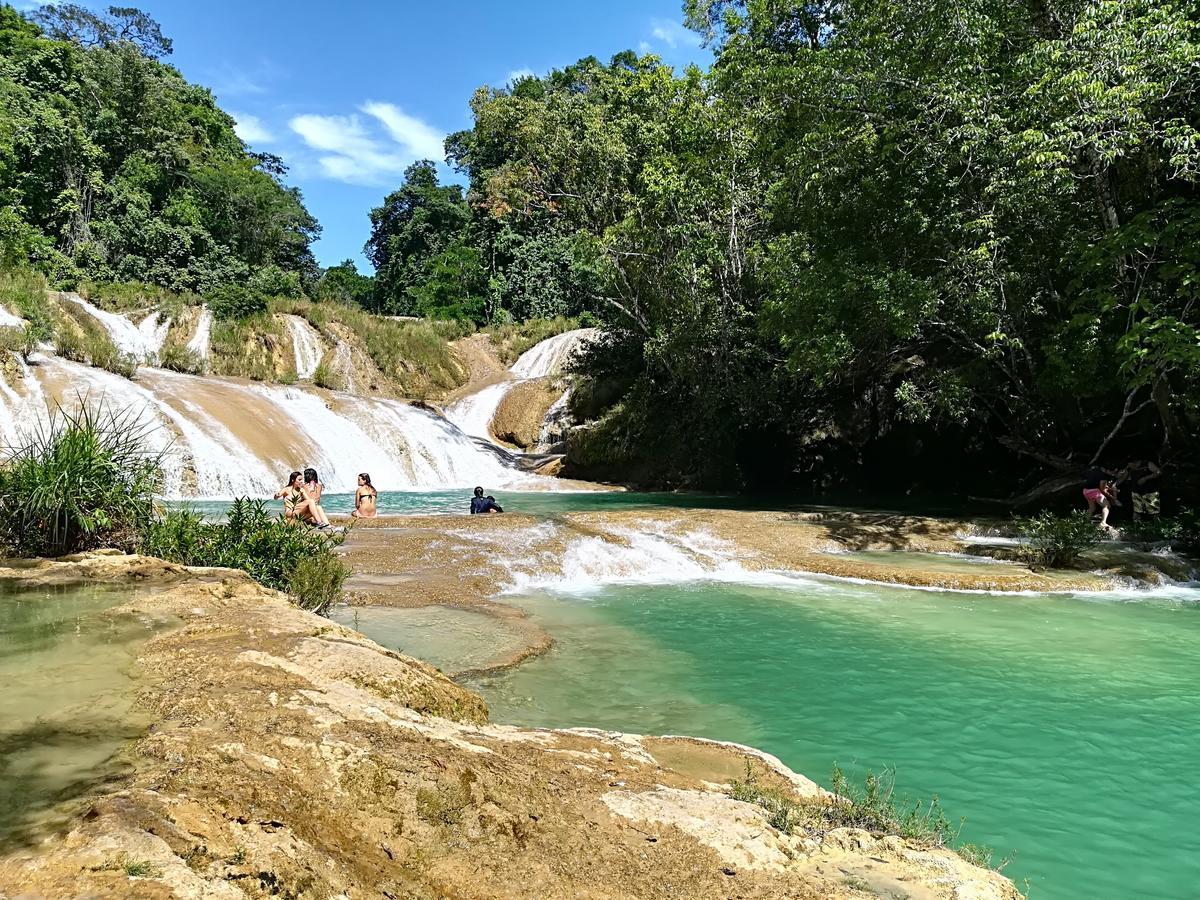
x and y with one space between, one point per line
290 756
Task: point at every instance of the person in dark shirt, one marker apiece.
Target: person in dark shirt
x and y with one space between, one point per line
482 504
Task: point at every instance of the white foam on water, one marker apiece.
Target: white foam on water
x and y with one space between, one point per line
306 345
126 337
8 320
473 414
551 356
199 344
21 412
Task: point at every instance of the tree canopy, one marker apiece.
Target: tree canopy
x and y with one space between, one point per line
113 167
952 240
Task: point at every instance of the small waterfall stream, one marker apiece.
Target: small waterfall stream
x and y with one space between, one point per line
199 344
473 414
142 342
306 345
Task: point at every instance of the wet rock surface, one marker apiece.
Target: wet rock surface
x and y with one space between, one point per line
290 756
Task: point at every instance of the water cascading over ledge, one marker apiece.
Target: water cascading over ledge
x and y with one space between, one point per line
222 438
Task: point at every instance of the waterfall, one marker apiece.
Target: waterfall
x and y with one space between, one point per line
306 345
141 342
154 330
220 438
473 414
8 320
552 355
199 344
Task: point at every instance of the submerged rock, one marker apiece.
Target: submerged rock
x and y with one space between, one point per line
291 756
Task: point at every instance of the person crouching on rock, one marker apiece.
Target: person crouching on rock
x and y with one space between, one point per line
365 498
1099 494
482 504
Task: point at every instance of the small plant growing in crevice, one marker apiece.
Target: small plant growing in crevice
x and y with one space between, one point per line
1057 541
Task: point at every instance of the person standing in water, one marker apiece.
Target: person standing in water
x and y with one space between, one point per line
482 504
312 490
365 498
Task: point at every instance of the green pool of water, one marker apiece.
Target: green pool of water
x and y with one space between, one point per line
454 640
1065 729
66 707
950 563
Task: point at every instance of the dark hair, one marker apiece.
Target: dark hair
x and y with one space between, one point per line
293 477
478 492
310 475
366 479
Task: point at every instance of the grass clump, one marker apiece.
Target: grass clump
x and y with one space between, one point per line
325 377
24 293
274 551
81 481
513 339
872 807
133 868
179 358
246 348
1057 541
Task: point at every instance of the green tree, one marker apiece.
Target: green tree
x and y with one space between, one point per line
416 223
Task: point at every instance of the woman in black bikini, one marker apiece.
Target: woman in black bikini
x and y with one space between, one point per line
365 498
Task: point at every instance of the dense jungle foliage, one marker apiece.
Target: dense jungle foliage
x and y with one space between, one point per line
116 169
879 245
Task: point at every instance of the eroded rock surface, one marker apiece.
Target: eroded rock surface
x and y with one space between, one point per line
292 757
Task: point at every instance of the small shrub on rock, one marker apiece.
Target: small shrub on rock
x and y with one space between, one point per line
1057 541
275 552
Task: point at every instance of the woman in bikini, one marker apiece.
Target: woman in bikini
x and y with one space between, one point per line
365 498
295 506
312 493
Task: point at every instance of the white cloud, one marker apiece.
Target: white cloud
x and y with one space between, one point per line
251 129
350 151
673 34
644 48
418 138
517 74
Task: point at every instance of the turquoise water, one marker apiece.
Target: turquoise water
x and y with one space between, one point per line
1066 730
67 703
540 503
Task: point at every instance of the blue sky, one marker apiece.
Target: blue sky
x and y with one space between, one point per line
350 93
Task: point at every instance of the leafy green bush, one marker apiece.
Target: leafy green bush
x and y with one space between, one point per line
230 302
274 551
1057 541
272 281
82 481
1181 532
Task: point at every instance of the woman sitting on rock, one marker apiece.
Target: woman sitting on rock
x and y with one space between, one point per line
312 490
365 498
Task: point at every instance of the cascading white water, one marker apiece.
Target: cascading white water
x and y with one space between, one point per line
552 355
199 344
306 345
154 330
8 320
473 414
221 438
126 337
